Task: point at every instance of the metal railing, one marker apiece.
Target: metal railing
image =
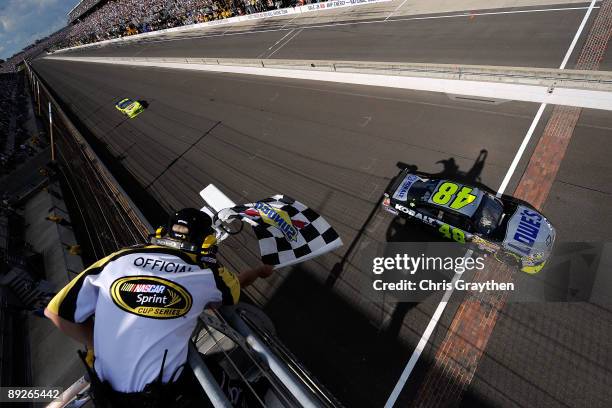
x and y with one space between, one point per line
111 220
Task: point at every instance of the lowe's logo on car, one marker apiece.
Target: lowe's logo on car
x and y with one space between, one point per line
278 219
402 192
524 227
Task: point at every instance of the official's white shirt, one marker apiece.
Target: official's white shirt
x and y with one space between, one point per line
145 300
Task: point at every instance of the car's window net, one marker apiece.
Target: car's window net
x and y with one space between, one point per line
422 190
489 215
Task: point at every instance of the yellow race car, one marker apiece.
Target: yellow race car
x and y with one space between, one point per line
129 107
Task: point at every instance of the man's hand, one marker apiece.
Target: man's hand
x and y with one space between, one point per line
81 332
249 276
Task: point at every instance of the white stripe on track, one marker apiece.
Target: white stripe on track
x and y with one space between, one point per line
273 45
397 8
521 150
569 52
442 305
285 43
536 119
416 354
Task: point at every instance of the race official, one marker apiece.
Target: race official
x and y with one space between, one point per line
146 301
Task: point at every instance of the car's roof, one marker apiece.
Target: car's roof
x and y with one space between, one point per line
420 188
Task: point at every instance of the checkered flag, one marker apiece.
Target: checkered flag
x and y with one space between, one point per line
288 231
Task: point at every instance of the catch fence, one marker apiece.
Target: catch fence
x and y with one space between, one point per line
111 220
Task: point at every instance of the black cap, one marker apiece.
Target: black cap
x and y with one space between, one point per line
197 223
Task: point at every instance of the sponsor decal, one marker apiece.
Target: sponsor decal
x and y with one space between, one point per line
484 244
152 297
402 191
525 231
276 218
266 14
415 214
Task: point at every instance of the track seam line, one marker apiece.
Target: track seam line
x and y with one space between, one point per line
397 8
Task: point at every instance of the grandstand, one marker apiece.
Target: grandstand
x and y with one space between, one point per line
12 64
83 8
8 121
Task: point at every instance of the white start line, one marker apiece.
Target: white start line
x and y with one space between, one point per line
416 354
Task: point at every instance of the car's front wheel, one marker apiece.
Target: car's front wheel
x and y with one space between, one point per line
508 258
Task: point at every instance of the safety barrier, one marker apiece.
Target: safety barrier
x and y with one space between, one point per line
575 79
112 220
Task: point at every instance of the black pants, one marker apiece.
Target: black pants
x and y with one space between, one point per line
185 392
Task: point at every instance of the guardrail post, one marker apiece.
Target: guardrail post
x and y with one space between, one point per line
284 374
38 96
50 131
206 379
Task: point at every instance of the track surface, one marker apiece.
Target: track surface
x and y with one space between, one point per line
334 147
536 39
276 136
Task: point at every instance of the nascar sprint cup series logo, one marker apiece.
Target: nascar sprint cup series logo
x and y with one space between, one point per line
151 297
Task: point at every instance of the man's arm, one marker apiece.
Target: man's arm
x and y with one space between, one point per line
229 283
249 276
81 332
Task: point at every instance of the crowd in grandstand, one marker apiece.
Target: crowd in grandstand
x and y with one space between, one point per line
13 146
31 51
81 8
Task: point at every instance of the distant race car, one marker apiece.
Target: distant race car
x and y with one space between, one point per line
507 227
129 107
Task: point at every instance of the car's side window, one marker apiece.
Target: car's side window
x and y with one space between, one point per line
456 221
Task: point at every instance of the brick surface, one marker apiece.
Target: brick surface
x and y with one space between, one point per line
546 159
457 358
550 150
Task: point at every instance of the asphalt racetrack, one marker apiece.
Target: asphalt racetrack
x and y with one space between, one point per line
335 147
533 39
